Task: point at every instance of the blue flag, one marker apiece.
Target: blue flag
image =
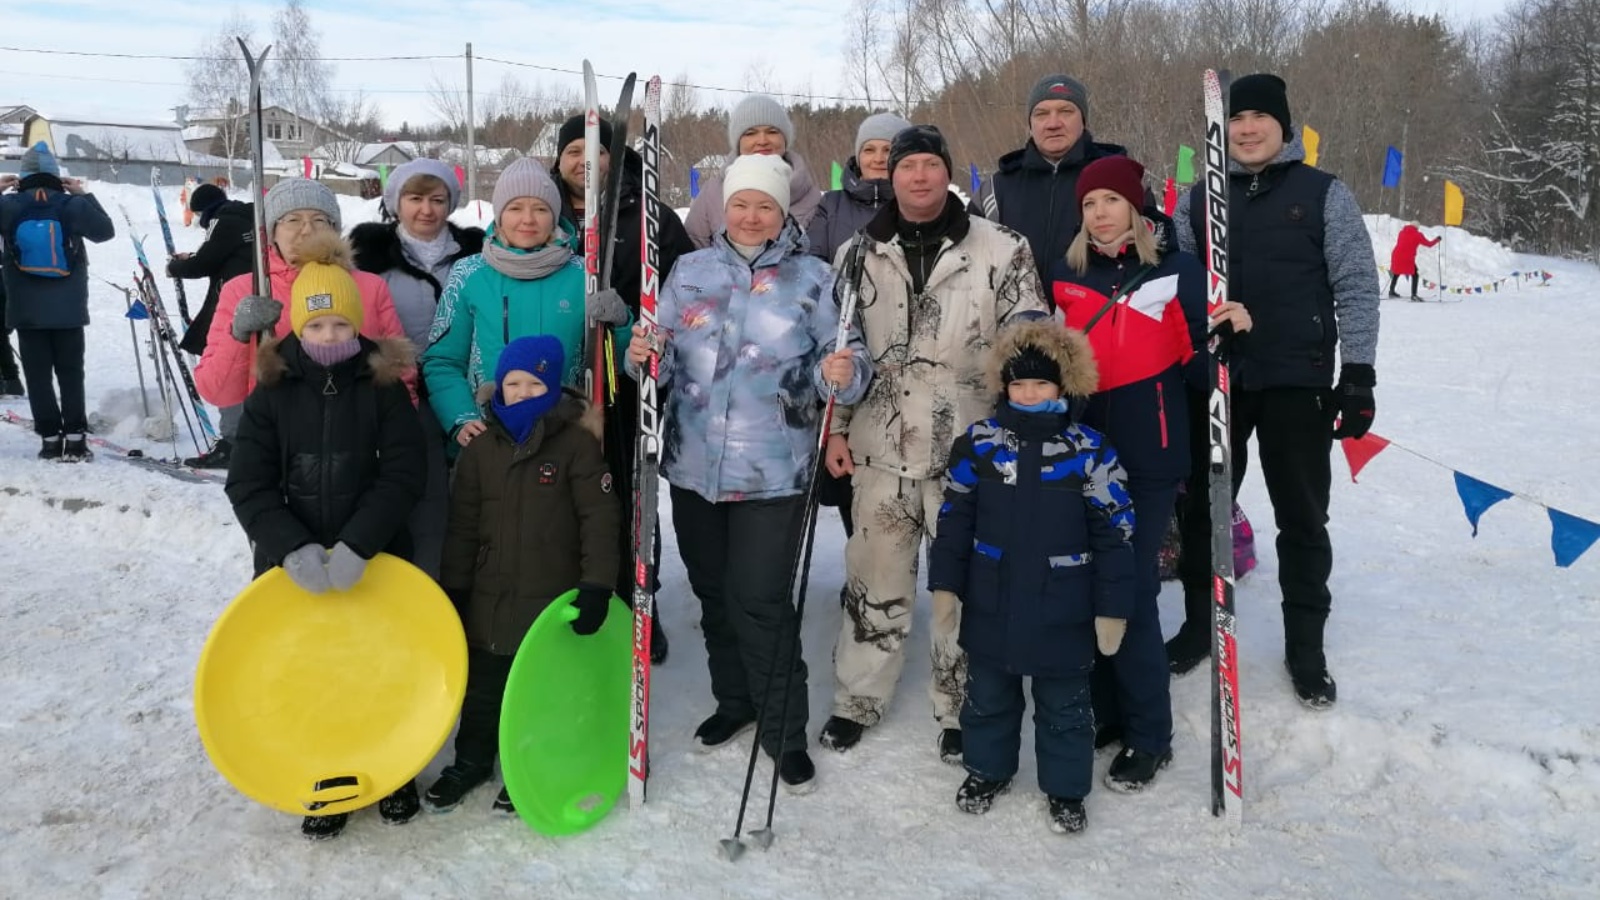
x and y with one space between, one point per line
694 182
1391 168
1570 536
976 181
137 311
1477 496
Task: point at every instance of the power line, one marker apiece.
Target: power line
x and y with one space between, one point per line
180 84
213 58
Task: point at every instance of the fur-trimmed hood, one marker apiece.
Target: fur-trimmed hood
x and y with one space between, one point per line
387 358
1067 346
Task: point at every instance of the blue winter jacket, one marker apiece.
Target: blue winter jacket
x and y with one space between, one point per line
743 353
1034 538
33 301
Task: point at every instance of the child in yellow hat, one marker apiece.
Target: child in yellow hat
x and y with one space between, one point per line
329 459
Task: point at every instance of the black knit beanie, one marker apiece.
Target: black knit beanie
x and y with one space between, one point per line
572 129
919 139
1262 93
1031 361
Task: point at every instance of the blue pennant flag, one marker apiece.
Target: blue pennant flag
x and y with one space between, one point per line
1570 536
137 312
1391 168
1477 496
976 181
694 182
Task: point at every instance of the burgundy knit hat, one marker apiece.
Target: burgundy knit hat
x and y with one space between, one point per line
1114 173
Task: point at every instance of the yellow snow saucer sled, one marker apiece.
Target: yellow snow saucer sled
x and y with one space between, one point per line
326 703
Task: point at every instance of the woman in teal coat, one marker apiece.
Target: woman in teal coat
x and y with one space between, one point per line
526 281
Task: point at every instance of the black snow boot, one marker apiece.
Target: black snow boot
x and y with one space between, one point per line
503 804
658 640
75 448
1133 770
50 447
215 458
401 806
720 729
11 387
1067 816
976 795
1187 649
798 773
950 747
1314 687
455 782
840 734
323 828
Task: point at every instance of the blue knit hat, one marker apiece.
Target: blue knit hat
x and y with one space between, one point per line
39 160
542 356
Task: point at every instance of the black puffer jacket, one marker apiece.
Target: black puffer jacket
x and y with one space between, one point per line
378 250
846 211
227 252
1028 193
328 455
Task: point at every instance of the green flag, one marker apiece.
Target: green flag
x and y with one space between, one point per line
1185 164
838 177
383 174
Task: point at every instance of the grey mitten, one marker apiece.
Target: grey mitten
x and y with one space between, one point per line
306 568
607 306
345 567
1108 634
255 314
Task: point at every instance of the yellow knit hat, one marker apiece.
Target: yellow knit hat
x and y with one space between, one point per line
324 286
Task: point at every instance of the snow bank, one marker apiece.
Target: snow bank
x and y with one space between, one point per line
1467 259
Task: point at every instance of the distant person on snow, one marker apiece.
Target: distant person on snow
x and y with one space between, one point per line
46 272
329 458
1300 261
1034 541
10 375
537 473
1403 260
227 251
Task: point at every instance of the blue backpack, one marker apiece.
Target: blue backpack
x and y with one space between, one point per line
38 243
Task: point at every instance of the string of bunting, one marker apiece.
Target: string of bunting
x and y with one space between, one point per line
1570 535
1488 287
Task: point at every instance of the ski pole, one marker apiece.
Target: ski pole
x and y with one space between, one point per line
133 333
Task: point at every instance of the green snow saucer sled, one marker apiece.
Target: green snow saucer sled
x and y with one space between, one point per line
564 719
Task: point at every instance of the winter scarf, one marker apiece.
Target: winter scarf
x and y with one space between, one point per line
526 265
427 254
330 355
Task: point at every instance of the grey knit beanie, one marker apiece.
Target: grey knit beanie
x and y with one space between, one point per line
879 127
525 178
424 166
758 109
1060 87
290 194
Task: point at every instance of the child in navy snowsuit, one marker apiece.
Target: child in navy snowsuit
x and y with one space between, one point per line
1034 539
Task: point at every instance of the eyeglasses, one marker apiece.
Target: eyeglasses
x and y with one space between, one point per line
301 222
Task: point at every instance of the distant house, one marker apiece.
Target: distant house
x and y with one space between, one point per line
388 153
110 151
545 145
16 115
294 135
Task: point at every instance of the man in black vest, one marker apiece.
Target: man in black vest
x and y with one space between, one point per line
1300 260
1034 190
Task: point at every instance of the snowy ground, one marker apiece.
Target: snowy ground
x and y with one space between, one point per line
1463 759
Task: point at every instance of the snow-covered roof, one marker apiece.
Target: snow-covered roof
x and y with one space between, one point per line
367 152
493 157
199 132
89 140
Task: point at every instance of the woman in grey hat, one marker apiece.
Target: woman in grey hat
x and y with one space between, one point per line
412 250
759 124
866 187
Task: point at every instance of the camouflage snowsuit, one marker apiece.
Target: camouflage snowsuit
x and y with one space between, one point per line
929 351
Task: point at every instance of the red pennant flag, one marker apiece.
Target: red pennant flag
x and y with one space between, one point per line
461 177
306 162
1360 451
1169 198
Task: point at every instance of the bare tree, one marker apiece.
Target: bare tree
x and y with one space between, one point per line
448 102
219 86
300 79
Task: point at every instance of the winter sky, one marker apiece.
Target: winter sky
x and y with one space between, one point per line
789 45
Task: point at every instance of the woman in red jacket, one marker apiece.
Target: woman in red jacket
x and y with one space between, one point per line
1403 261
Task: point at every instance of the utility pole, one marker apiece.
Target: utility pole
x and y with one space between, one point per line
1405 129
472 137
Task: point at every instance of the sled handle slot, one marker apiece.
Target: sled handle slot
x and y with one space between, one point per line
338 789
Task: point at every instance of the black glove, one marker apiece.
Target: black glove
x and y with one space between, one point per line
592 605
1352 400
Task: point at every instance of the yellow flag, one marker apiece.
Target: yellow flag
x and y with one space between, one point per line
1453 203
1313 142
